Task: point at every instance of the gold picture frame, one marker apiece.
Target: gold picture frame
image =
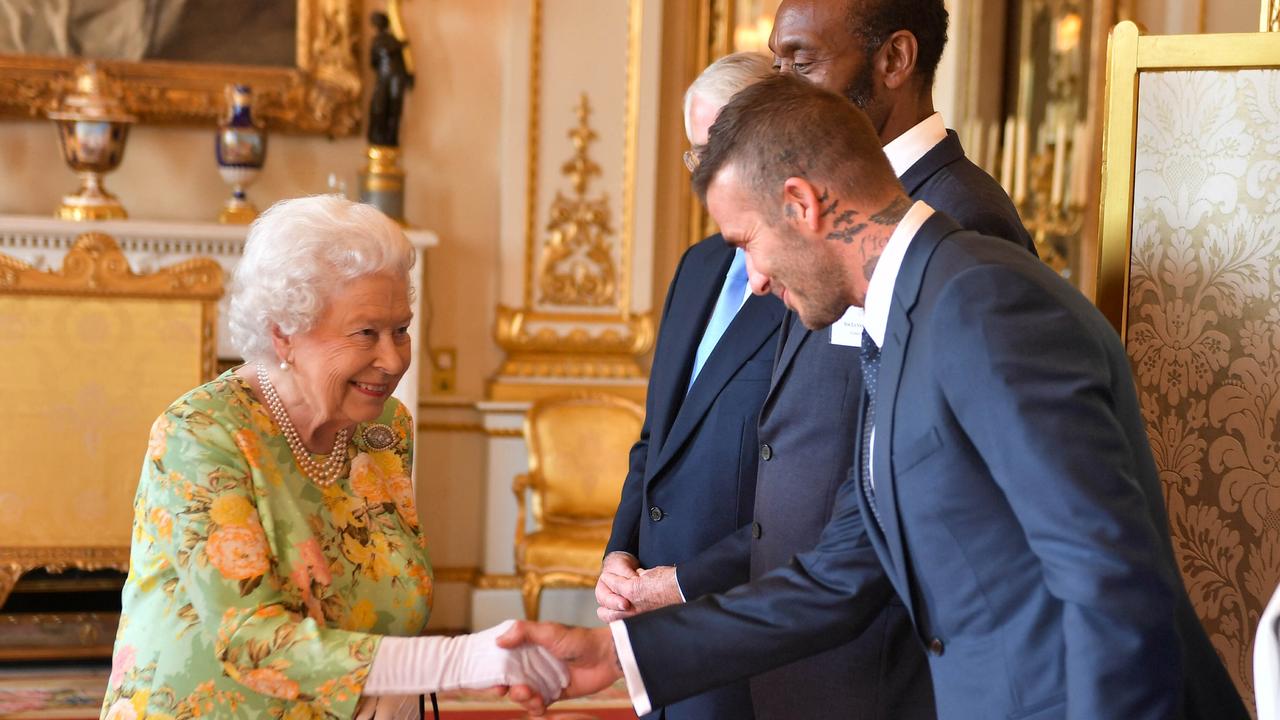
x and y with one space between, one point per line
320 94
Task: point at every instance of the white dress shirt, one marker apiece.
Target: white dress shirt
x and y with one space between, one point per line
1266 661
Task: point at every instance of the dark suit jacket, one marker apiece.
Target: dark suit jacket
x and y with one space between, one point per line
812 405
1024 525
692 476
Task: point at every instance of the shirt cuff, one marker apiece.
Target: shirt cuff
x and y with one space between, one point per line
630 670
675 573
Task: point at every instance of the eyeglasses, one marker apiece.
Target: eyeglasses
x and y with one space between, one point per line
690 160
693 157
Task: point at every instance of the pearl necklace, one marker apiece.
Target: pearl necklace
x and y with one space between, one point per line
323 474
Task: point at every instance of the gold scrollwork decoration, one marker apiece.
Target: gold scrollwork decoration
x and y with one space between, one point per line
577 347
1270 16
320 94
14 561
95 265
577 264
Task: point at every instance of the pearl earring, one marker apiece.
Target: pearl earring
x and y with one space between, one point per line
284 365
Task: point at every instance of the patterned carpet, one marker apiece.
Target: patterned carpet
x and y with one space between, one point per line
75 693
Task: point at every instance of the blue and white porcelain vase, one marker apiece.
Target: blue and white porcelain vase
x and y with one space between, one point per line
241 149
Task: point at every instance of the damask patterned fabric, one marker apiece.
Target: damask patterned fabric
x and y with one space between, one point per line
1204 334
253 592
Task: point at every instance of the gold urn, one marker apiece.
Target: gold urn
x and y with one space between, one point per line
93 127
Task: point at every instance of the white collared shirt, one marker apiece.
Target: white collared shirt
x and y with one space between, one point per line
903 152
907 149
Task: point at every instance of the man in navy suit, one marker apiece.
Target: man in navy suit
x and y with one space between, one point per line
692 473
882 56
1003 486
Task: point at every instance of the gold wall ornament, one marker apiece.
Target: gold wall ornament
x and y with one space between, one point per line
93 127
577 263
575 348
1270 16
320 94
575 327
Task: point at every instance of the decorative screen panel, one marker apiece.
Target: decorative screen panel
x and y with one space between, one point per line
1204 334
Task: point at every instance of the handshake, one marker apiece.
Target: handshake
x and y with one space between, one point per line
533 663
589 657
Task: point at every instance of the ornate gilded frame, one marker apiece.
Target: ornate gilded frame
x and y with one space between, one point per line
1128 55
320 94
95 267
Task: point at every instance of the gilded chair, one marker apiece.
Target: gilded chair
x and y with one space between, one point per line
90 355
1189 274
578 450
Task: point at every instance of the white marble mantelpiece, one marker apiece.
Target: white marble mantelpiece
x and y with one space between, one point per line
150 244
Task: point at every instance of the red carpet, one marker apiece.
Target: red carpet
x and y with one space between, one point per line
76 694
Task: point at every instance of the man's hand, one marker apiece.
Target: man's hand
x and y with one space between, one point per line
616 566
589 655
649 590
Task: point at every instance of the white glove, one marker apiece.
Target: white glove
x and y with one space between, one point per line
387 707
412 665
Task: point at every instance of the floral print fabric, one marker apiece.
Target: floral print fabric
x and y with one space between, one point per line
253 592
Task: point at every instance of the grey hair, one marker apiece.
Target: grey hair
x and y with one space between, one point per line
298 252
723 79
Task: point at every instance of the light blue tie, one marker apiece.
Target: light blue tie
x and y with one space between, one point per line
731 296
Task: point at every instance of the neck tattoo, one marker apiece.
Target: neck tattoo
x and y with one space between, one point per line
321 473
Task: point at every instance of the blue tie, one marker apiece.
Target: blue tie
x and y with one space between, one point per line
731 295
870 356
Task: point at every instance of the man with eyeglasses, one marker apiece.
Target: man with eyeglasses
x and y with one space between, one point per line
692 473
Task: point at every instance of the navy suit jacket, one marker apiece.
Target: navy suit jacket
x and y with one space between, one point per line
692 474
810 413
1024 526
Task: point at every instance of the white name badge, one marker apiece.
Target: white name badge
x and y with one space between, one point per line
847 330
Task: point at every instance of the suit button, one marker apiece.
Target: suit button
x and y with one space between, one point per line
766 452
756 532
655 513
936 647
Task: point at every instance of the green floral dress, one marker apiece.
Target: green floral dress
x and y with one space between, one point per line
252 591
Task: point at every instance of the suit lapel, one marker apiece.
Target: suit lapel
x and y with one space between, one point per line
906 290
754 324
794 335
685 322
938 157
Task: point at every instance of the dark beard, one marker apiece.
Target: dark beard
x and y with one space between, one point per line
859 89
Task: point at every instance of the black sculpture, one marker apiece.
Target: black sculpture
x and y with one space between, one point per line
393 79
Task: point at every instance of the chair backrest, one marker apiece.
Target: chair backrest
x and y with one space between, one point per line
578 455
89 357
1190 276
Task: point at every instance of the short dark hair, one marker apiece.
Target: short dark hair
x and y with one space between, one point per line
784 127
873 21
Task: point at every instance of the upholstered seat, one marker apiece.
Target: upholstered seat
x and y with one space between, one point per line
578 450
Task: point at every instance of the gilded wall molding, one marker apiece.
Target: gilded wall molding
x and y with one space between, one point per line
496 581
576 322
577 266
321 94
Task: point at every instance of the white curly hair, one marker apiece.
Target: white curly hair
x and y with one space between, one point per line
298 252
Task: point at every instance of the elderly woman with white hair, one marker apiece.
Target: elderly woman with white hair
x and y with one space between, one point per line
277 567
